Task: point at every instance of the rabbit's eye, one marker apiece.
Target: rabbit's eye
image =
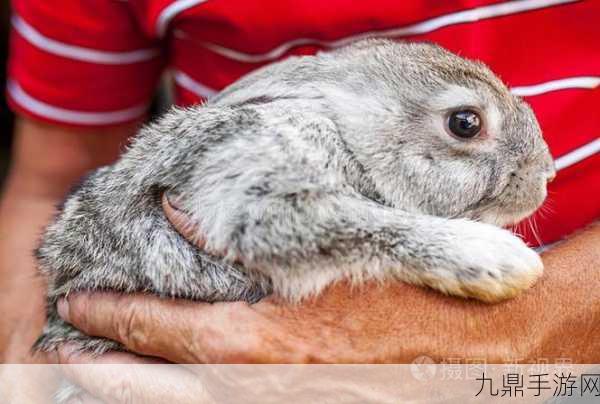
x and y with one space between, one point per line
464 123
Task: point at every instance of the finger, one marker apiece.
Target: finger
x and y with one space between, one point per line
177 330
125 378
143 324
181 221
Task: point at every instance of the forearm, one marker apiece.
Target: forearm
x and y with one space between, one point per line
558 318
46 161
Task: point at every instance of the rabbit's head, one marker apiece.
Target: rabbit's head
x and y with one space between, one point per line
435 133
441 134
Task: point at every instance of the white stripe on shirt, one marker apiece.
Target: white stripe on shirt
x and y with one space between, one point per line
192 85
169 12
78 52
587 82
71 116
577 155
460 17
580 82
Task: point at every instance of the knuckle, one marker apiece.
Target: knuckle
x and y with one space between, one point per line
196 352
130 327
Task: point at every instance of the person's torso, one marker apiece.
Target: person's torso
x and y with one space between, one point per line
546 51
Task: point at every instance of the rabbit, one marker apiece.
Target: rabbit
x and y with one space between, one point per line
382 160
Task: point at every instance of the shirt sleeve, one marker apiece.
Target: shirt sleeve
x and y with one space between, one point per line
82 63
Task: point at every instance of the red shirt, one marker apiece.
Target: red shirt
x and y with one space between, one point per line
97 62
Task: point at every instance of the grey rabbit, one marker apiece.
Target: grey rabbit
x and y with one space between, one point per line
377 161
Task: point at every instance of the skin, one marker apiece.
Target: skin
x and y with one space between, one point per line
376 323
46 161
373 324
392 323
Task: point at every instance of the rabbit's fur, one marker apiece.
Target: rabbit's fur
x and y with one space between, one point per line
308 171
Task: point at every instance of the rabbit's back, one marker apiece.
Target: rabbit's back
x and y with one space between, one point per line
111 233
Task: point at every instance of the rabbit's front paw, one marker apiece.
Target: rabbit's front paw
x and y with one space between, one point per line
489 263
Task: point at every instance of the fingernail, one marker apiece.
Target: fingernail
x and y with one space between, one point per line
172 200
63 309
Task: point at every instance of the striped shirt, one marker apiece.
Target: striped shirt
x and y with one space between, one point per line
97 62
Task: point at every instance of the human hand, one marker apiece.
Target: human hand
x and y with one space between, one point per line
374 323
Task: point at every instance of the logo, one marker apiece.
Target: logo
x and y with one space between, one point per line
423 368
